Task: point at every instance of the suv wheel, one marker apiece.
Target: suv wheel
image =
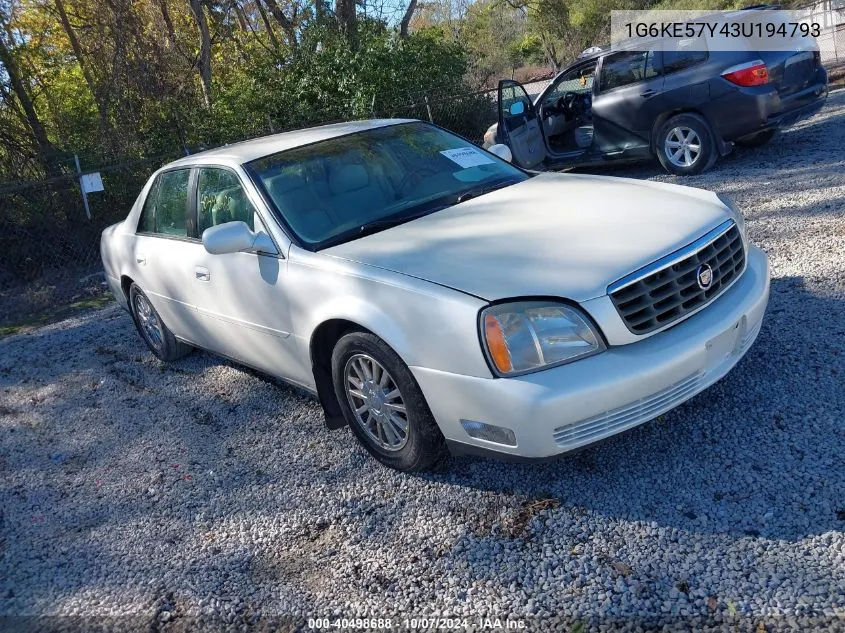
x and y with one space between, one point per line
685 145
383 404
152 329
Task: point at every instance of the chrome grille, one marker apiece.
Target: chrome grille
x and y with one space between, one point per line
650 299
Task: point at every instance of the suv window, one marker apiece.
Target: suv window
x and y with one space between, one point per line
627 67
578 80
221 198
166 206
685 54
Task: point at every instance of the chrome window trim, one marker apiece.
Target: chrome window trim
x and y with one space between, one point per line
672 258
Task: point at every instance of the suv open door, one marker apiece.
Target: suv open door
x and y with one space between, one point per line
519 125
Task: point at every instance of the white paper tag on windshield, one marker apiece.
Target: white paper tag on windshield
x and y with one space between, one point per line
467 157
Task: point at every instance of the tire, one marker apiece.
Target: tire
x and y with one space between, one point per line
153 331
756 140
674 133
379 427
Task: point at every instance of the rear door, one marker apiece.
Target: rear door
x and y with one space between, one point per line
164 249
520 125
629 98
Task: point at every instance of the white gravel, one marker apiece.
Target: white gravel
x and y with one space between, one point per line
129 487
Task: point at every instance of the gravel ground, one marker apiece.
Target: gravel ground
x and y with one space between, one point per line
130 487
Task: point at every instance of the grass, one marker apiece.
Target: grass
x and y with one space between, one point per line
56 314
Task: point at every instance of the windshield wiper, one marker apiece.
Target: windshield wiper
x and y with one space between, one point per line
481 190
394 220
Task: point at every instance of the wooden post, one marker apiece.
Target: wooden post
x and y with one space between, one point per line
428 108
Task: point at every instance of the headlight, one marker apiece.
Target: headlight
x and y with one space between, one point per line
736 212
525 336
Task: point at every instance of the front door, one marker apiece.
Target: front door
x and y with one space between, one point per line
240 297
629 98
565 109
519 125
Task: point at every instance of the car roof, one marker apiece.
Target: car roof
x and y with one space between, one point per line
246 151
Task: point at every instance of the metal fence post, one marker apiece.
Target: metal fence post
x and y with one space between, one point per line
428 109
81 186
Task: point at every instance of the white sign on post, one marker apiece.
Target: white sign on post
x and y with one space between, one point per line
91 182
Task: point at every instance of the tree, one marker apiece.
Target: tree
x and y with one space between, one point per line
204 59
347 19
406 19
46 151
80 58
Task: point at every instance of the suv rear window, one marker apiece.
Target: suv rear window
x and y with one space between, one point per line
687 53
627 67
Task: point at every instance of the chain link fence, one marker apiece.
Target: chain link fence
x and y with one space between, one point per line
45 226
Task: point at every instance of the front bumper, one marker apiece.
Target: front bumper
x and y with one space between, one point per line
565 408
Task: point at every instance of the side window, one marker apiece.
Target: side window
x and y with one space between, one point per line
685 54
166 207
622 69
221 198
147 222
578 80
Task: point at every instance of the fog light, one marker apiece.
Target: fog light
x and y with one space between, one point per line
489 432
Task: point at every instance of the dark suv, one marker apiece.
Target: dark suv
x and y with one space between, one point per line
684 104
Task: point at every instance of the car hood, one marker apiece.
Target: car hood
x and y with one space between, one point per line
560 235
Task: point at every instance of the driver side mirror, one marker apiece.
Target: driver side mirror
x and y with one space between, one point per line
517 108
502 151
234 237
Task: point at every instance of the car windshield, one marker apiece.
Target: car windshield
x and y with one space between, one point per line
342 188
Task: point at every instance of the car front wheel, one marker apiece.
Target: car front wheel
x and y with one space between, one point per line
152 329
685 145
383 404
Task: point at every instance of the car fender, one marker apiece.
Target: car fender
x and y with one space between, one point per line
426 324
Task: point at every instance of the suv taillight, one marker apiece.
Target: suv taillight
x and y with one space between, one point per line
751 74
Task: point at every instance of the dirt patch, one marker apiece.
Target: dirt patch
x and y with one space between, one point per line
51 298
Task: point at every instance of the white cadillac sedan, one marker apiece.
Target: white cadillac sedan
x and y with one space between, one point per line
433 296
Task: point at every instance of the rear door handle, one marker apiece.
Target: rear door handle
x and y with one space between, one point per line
201 273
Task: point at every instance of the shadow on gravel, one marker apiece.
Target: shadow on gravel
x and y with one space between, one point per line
751 456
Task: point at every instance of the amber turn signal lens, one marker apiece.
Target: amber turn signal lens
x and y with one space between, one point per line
496 344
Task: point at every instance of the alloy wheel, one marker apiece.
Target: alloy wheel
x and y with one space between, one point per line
376 402
149 322
682 146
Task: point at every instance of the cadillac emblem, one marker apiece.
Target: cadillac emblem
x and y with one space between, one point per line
704 275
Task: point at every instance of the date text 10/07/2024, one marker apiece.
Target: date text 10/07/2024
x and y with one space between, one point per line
418 624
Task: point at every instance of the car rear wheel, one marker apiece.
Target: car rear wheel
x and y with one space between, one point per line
685 145
756 140
152 329
383 404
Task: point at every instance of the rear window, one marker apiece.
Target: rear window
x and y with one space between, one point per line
166 207
685 54
628 67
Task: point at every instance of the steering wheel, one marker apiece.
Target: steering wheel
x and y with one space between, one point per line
564 104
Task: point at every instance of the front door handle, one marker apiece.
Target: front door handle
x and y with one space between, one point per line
201 273
141 260
648 94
